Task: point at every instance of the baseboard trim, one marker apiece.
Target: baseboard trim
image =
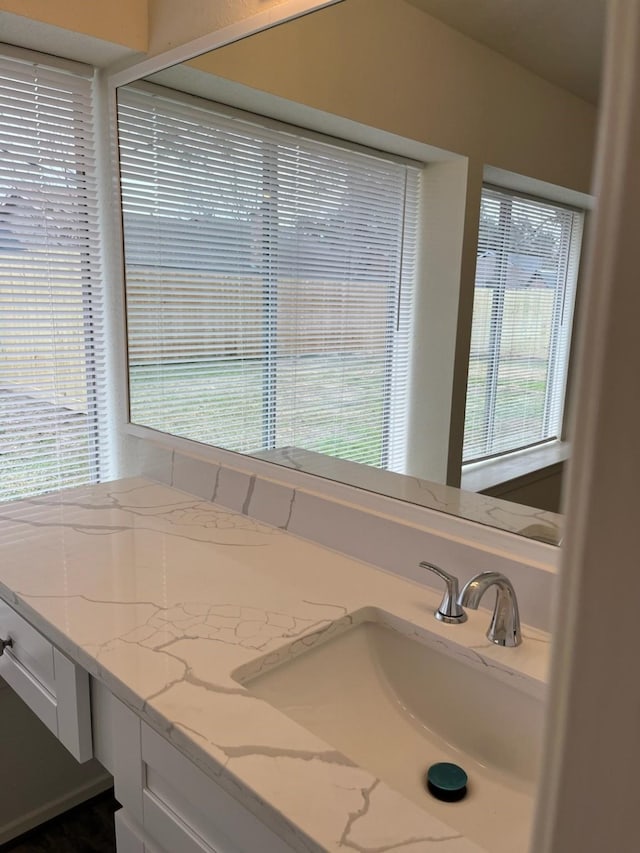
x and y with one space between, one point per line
55 807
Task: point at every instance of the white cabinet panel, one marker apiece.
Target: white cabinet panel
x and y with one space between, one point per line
74 707
161 822
128 769
168 802
128 840
176 790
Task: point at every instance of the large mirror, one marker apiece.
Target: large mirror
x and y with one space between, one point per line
350 235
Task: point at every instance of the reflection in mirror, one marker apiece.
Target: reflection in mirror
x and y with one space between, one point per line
301 274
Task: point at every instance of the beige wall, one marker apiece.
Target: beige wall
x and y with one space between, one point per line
173 23
542 489
152 26
388 65
119 21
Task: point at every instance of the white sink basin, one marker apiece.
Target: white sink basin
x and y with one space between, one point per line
395 706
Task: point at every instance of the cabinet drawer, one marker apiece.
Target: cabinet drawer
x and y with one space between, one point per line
55 688
183 809
29 689
29 647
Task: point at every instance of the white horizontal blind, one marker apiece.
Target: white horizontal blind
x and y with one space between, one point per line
527 267
269 282
51 369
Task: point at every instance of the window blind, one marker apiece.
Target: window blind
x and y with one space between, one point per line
527 267
51 326
269 282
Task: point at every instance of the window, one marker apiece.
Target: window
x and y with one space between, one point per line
528 255
50 304
269 282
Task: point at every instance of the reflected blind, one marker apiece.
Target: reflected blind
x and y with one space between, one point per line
269 282
51 366
527 267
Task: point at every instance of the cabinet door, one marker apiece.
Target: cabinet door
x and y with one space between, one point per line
183 803
161 822
128 839
178 808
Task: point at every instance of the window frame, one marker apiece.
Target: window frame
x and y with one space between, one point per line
560 350
398 315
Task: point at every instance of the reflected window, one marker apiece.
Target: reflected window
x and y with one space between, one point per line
269 281
527 267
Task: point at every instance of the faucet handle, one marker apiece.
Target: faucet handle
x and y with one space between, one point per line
449 610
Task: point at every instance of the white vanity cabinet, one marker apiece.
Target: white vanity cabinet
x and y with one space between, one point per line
169 804
130 838
54 687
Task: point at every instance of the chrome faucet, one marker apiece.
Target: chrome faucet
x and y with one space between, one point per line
449 610
504 629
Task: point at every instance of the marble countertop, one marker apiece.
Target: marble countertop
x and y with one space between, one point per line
162 596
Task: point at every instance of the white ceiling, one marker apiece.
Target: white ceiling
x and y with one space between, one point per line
560 40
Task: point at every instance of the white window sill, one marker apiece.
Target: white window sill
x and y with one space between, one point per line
479 476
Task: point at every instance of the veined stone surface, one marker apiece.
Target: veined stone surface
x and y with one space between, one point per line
162 596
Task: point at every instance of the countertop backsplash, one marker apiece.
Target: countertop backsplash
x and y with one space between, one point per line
387 533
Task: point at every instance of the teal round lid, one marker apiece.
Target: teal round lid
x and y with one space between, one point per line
446 781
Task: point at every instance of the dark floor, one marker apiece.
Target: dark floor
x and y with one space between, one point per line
88 828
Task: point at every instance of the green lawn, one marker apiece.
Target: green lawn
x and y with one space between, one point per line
525 345
327 404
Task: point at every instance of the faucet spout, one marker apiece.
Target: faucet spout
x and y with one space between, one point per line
504 629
